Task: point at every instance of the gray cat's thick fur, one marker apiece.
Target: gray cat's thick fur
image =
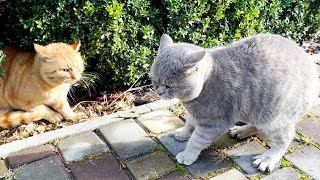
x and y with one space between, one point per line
264 80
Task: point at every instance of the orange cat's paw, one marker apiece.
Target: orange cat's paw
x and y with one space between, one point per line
54 117
77 116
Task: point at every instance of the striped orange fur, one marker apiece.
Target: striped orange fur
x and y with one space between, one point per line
35 84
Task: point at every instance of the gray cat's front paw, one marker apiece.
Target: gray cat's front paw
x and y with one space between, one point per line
186 158
181 135
264 162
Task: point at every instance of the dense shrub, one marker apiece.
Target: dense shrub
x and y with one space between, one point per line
120 37
213 23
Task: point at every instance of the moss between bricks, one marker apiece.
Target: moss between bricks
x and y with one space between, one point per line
307 141
161 148
181 168
55 142
92 156
304 176
178 109
285 163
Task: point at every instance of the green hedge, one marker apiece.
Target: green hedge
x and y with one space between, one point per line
120 37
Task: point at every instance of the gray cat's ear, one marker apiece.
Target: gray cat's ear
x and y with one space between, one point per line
165 41
193 64
197 56
41 50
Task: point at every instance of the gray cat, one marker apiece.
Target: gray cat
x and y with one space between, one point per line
264 80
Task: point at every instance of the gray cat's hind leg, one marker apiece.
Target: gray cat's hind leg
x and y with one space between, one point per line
280 138
241 132
183 134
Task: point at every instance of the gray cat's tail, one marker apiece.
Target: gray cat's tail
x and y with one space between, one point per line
315 58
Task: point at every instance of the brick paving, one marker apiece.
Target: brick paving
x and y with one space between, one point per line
143 147
29 155
92 169
80 146
127 139
151 165
244 154
311 128
48 168
233 174
283 174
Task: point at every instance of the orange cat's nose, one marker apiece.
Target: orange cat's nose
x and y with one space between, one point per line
73 77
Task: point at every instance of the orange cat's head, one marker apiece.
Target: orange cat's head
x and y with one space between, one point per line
59 62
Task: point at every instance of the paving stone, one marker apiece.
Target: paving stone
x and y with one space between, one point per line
283 174
29 155
81 145
176 175
294 142
306 159
171 144
225 140
311 128
48 168
3 166
141 109
160 121
243 156
105 167
127 139
207 162
233 174
162 104
151 165
132 113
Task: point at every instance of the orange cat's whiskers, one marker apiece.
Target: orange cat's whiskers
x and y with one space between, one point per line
87 81
71 94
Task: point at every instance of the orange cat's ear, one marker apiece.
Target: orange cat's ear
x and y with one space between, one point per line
76 45
41 50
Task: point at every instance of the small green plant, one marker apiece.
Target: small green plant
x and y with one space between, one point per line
161 148
178 109
55 142
181 168
285 163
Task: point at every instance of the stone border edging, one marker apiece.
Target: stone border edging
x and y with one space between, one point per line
40 139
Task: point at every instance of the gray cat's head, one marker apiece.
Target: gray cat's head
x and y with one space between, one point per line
176 73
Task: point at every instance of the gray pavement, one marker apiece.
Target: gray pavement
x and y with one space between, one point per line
141 146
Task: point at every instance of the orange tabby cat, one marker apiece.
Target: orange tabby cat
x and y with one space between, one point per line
35 84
